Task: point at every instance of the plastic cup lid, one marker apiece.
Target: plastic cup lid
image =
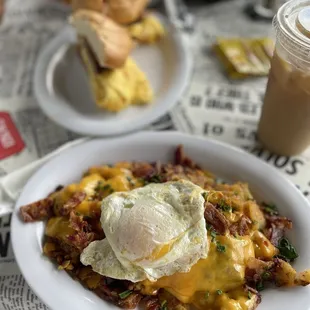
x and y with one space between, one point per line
303 21
292 25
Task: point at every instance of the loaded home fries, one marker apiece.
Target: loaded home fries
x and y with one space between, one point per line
166 236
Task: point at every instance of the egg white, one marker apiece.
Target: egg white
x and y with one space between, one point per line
151 232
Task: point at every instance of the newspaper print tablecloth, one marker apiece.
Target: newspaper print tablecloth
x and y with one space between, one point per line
212 106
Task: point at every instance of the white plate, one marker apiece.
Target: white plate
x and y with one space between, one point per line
62 89
59 291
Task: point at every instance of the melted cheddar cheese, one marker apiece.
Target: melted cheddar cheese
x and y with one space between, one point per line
211 274
115 179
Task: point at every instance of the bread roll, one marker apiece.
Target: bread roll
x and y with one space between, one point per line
109 42
125 11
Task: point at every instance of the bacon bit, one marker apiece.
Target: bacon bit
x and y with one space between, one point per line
77 223
84 235
111 293
151 303
72 203
253 292
215 218
276 227
143 170
158 167
131 301
37 211
81 240
181 159
174 173
241 228
256 271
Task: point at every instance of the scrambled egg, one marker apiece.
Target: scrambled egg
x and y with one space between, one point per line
114 90
148 30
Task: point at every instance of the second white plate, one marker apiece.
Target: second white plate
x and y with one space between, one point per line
62 89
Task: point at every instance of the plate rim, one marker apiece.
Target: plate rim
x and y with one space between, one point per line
16 222
98 128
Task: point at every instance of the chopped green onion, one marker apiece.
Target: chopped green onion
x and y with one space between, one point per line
249 295
207 294
155 179
260 286
221 248
125 294
266 275
269 208
219 292
208 226
224 207
163 305
213 235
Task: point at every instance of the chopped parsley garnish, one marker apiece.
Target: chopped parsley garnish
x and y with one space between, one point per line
163 305
207 294
128 205
208 226
205 195
260 286
220 248
219 292
125 294
213 235
269 208
287 250
101 187
249 295
155 179
225 208
266 275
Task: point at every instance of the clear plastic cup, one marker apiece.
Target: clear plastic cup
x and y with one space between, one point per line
284 126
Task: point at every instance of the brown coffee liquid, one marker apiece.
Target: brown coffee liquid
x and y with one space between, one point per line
284 127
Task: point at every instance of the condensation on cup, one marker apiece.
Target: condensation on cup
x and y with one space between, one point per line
284 126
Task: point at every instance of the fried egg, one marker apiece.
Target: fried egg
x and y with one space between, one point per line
151 232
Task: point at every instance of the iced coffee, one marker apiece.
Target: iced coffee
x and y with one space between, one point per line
284 127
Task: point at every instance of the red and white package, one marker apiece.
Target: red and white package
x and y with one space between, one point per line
10 140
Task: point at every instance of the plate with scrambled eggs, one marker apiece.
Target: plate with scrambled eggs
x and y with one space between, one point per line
163 221
98 77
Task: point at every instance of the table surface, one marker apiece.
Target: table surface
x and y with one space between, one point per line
29 24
